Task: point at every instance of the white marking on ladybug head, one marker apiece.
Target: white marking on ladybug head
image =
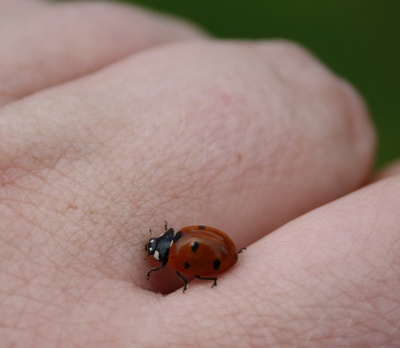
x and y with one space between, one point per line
157 255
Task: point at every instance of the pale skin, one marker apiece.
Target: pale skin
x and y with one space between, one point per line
114 120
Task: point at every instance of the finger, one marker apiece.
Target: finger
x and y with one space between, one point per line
328 277
13 5
45 44
248 150
259 135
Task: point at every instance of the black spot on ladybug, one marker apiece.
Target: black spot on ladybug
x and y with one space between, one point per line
202 227
186 265
177 236
194 246
217 264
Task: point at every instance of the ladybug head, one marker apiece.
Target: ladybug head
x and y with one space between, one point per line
150 246
159 247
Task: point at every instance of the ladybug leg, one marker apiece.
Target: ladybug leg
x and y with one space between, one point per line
209 278
166 225
154 269
181 277
241 250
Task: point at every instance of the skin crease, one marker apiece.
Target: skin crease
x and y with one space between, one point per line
257 139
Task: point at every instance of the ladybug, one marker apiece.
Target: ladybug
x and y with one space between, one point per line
201 251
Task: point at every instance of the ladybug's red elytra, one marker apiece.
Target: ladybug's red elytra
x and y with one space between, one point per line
201 251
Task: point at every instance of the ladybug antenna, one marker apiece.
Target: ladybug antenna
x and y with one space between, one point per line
148 244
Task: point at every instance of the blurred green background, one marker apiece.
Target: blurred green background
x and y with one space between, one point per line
358 39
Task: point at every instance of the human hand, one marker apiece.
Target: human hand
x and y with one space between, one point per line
114 120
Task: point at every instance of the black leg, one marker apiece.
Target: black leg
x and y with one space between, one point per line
209 278
154 269
181 277
166 225
241 250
